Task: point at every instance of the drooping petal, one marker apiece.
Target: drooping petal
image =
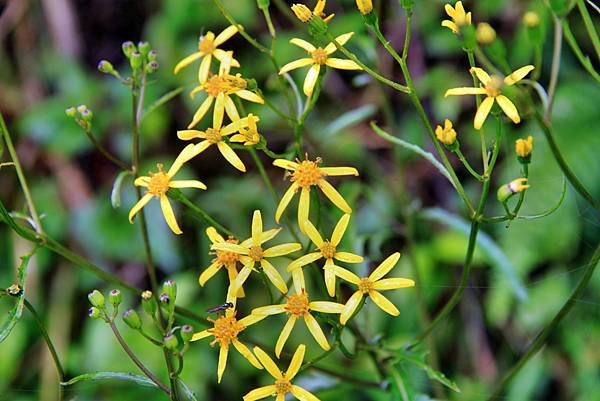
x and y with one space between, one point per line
268 363
316 331
341 40
348 257
201 112
246 353
385 304
221 55
303 207
483 76
231 156
184 156
298 280
200 335
342 64
232 273
326 307
350 306
304 260
204 69
213 235
219 111
223 352
208 273
393 283
385 267
345 274
340 229
295 363
464 91
518 75
303 44
482 112
285 333
167 210
302 394
283 249
269 310
188 134
329 277
285 201
187 184
257 227
334 196
230 109
509 108
241 278
274 276
337 171
234 126
139 205
225 65
187 61
260 393
141 181
295 64
225 35
250 96
451 25
286 164
229 247
311 79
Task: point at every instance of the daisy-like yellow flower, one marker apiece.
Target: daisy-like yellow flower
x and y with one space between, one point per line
223 259
226 329
283 381
248 135
219 89
216 136
524 147
326 250
208 46
306 174
304 14
459 17
253 253
298 306
371 286
492 88
159 183
319 57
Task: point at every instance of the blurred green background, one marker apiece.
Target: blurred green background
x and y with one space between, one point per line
523 272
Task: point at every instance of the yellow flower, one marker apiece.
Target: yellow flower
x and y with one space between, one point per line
283 381
458 15
371 286
523 147
299 306
248 135
531 19
208 47
225 331
492 88
446 135
304 14
216 136
159 183
306 174
252 253
484 33
328 251
224 259
364 6
218 89
318 57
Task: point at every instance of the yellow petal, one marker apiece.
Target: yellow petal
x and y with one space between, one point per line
251 319
302 394
345 274
187 61
225 65
298 280
200 335
304 260
221 55
340 229
329 277
303 44
234 126
283 249
222 362
208 273
232 273
214 235
274 276
139 205
187 184
348 257
167 210
269 235
450 11
141 181
342 64
268 363
337 171
341 40
219 111
518 75
241 278
334 196
187 134
184 156
250 96
229 247
509 108
350 307
316 331
384 303
482 112
481 75
231 156
201 112
313 234
393 284
285 333
451 25
230 109
225 35
269 310
246 353
285 201
303 207
286 164
204 69
326 307
311 79
385 266
257 227
296 362
295 64
260 393
465 91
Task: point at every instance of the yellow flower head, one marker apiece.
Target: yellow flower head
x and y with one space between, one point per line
531 19
364 6
304 14
207 48
223 259
216 136
249 135
371 286
299 306
492 88
158 184
225 331
484 33
446 135
304 175
218 89
283 381
459 17
523 147
319 57
326 250
252 253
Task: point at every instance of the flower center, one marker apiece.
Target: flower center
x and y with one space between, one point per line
493 88
206 45
327 250
319 56
236 83
365 285
282 386
297 304
213 135
159 182
226 329
256 253
307 174
227 258
215 85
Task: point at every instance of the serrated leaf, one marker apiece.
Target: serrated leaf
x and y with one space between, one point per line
115 194
99 376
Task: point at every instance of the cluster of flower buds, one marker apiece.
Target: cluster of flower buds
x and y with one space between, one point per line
82 116
141 58
98 301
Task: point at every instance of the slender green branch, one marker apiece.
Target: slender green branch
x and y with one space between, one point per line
465 163
583 60
556 52
198 211
121 164
589 26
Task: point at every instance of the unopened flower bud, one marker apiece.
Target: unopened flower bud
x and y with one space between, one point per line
302 12
71 112
87 115
96 299
149 303
531 19
164 298
132 319
170 342
523 149
484 33
115 297
94 312
513 187
152 55
446 135
128 48
364 6
152 67
135 60
187 333
81 108
105 67
143 48
170 288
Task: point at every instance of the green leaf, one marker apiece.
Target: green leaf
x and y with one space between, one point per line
191 396
115 194
433 374
350 118
162 100
99 376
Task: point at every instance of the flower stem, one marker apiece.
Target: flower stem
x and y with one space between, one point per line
121 164
465 163
589 26
198 211
556 51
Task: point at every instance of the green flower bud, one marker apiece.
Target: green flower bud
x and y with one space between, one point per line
152 55
513 187
187 333
96 299
81 108
407 4
170 342
317 28
152 67
149 303
144 48
105 67
132 319
170 288
87 115
128 48
263 4
71 112
115 298
164 298
135 60
94 312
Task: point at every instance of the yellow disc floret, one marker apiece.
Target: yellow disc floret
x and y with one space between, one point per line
319 56
327 250
365 285
227 258
213 135
225 330
307 174
282 386
159 182
256 253
494 86
206 45
297 304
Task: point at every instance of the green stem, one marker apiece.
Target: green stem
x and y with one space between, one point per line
263 173
583 60
308 108
541 339
556 51
517 207
121 164
589 26
465 163
198 211
484 156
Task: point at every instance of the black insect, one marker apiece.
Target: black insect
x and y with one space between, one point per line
220 308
